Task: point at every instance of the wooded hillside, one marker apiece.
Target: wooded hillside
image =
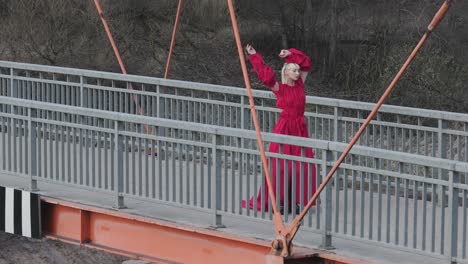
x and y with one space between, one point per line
356 46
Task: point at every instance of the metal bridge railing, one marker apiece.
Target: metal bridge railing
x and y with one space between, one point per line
378 196
425 132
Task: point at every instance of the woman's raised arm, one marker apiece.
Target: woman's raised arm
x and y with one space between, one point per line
264 72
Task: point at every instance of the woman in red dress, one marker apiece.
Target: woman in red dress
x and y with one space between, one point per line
290 98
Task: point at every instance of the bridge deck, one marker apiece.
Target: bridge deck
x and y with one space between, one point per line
364 251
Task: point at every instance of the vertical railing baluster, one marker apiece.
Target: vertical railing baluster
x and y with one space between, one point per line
433 216
371 197
233 182
118 154
247 179
353 198
209 172
240 175
415 213
327 156
161 154
465 159
255 180
388 208
180 162
454 178
202 173
285 179
141 155
406 215
338 137
441 144
377 164
442 245
424 211
225 180
32 160
12 81
464 223
397 205
396 140
216 181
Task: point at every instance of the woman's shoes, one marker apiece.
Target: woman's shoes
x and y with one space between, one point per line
297 208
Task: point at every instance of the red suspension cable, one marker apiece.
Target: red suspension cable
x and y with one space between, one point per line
174 32
278 221
109 35
116 51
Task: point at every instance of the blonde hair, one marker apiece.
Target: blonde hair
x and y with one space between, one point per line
287 66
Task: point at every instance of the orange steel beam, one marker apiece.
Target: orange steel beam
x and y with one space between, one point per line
294 226
145 238
161 241
277 220
174 32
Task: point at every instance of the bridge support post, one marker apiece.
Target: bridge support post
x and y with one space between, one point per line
327 156
338 125
32 161
82 91
442 153
243 113
118 167
216 183
158 101
453 205
12 83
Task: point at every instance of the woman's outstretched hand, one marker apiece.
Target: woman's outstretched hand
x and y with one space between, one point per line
284 53
250 50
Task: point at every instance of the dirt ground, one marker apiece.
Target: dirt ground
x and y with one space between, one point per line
17 250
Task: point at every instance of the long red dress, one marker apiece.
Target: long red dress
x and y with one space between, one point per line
291 100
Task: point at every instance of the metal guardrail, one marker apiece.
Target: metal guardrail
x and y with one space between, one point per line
404 129
378 196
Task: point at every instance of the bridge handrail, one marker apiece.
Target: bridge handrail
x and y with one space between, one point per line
244 133
417 112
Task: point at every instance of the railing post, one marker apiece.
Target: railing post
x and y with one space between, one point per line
441 141
441 153
160 109
118 167
32 162
13 93
81 91
337 137
337 125
244 125
453 202
158 101
397 141
12 80
216 182
242 112
327 156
